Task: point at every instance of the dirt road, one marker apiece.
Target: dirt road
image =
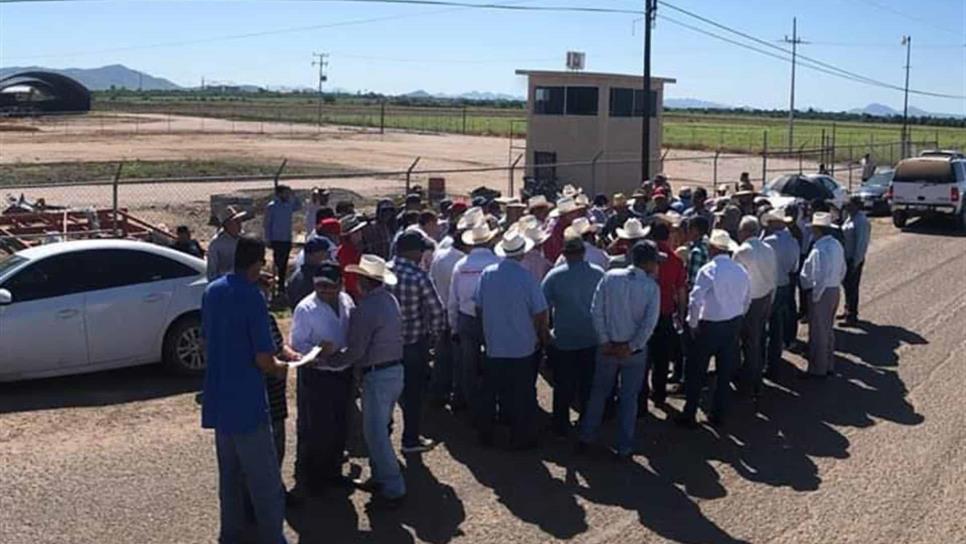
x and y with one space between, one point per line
875 454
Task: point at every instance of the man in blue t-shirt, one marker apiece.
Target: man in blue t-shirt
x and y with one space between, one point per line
240 351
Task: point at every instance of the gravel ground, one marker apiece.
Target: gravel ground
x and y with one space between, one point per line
873 455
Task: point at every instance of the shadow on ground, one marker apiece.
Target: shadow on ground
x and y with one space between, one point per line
95 389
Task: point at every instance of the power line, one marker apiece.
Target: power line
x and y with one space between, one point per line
913 17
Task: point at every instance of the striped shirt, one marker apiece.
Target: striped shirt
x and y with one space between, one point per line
276 387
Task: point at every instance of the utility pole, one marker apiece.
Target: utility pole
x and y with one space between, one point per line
795 40
906 41
323 64
650 12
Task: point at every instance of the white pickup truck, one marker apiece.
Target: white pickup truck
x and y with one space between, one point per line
929 187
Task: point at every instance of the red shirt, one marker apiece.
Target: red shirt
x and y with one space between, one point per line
553 247
672 277
349 254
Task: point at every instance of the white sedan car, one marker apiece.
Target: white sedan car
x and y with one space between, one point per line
75 307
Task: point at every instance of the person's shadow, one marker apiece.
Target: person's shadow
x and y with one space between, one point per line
875 345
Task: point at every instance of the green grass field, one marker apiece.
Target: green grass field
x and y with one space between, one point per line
729 133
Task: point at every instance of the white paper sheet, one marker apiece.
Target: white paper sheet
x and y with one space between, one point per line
309 357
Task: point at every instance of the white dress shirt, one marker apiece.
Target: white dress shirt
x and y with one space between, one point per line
857 232
441 269
314 321
787 254
824 268
721 292
592 254
762 266
466 277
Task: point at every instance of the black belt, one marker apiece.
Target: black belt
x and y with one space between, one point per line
380 366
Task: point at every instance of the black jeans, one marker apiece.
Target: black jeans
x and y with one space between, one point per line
278 434
718 339
509 383
280 254
853 279
661 349
415 382
327 396
776 339
752 343
443 383
573 374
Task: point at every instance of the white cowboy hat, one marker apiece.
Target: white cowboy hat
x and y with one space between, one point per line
582 226
633 230
538 201
566 205
722 240
514 243
534 233
671 218
528 222
480 234
773 216
373 266
470 218
822 219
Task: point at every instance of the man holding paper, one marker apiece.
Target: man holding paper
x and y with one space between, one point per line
323 318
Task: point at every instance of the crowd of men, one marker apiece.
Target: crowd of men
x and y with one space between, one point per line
616 301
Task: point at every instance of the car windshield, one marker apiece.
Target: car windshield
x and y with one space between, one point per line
9 262
882 179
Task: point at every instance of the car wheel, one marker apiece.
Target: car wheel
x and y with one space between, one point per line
899 219
183 352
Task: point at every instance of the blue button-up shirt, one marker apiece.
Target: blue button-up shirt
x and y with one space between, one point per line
509 298
857 232
278 219
235 326
787 253
569 289
626 307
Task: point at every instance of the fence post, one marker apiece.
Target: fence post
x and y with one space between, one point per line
851 167
513 168
464 119
833 151
409 173
892 155
824 149
593 172
278 174
382 117
114 205
801 153
764 158
714 176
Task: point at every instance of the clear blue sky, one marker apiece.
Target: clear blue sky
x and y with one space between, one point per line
456 50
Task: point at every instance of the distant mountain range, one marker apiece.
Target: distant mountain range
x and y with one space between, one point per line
101 79
120 76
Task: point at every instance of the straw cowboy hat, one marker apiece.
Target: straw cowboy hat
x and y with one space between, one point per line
480 234
528 221
470 218
231 213
619 199
582 226
722 240
538 201
772 216
566 205
632 230
671 219
373 267
535 233
352 223
513 244
822 219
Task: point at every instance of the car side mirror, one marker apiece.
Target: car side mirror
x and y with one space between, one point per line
5 297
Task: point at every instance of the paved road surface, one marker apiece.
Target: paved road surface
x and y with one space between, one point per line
874 455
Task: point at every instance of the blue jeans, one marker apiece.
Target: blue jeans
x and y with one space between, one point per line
247 462
631 372
380 392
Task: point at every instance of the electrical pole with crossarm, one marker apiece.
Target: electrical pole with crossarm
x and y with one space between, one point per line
650 11
795 41
906 41
323 64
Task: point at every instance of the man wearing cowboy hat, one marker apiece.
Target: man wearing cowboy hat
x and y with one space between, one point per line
699 200
513 312
672 280
785 246
719 298
374 347
378 234
584 229
821 277
617 219
761 263
562 216
423 321
856 231
632 231
534 261
221 249
349 251
624 311
461 306
569 289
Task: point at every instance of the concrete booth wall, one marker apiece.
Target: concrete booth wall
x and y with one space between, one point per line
579 137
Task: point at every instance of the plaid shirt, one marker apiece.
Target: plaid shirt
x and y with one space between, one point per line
697 257
376 239
422 311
